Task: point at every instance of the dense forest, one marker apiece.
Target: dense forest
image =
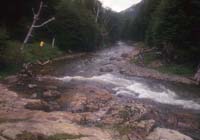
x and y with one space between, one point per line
173 27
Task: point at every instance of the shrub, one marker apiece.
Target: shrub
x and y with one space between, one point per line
12 53
33 52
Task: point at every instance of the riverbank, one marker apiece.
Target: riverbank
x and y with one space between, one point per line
151 66
13 58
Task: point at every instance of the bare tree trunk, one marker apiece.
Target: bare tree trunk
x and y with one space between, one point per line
53 42
97 14
29 34
33 25
35 19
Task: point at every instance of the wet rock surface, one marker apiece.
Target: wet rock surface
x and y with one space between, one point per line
167 134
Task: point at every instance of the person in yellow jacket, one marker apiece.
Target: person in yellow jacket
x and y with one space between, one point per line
42 44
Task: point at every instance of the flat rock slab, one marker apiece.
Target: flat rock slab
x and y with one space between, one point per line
167 134
12 130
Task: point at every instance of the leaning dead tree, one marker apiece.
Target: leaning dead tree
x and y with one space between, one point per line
34 23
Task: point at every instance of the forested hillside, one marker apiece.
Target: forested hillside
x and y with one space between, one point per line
173 27
79 25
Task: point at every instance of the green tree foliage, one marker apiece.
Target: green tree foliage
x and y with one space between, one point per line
171 29
171 26
3 38
137 19
75 29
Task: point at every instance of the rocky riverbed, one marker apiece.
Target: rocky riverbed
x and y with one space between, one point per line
81 99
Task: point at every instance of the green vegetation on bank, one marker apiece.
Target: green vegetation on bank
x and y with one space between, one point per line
154 60
172 27
13 57
182 70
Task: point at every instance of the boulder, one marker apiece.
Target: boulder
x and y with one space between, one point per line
11 79
11 133
53 106
2 138
125 55
146 125
34 96
37 105
32 86
51 94
166 134
106 69
140 129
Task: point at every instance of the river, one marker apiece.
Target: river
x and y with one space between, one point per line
104 68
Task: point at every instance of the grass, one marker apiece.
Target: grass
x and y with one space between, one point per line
148 58
64 136
13 57
33 52
8 70
181 70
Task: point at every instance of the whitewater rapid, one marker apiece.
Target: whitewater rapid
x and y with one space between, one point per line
138 89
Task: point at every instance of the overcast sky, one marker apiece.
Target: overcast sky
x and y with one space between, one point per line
119 5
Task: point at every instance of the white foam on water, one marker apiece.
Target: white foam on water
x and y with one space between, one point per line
138 89
106 78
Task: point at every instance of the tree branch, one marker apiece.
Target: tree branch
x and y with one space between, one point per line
44 23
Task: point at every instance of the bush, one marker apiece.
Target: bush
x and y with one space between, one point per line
33 52
3 39
12 54
183 70
12 57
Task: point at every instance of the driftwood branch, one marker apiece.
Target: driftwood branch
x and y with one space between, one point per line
44 23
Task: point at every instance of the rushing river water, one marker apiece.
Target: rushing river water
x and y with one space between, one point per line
103 67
